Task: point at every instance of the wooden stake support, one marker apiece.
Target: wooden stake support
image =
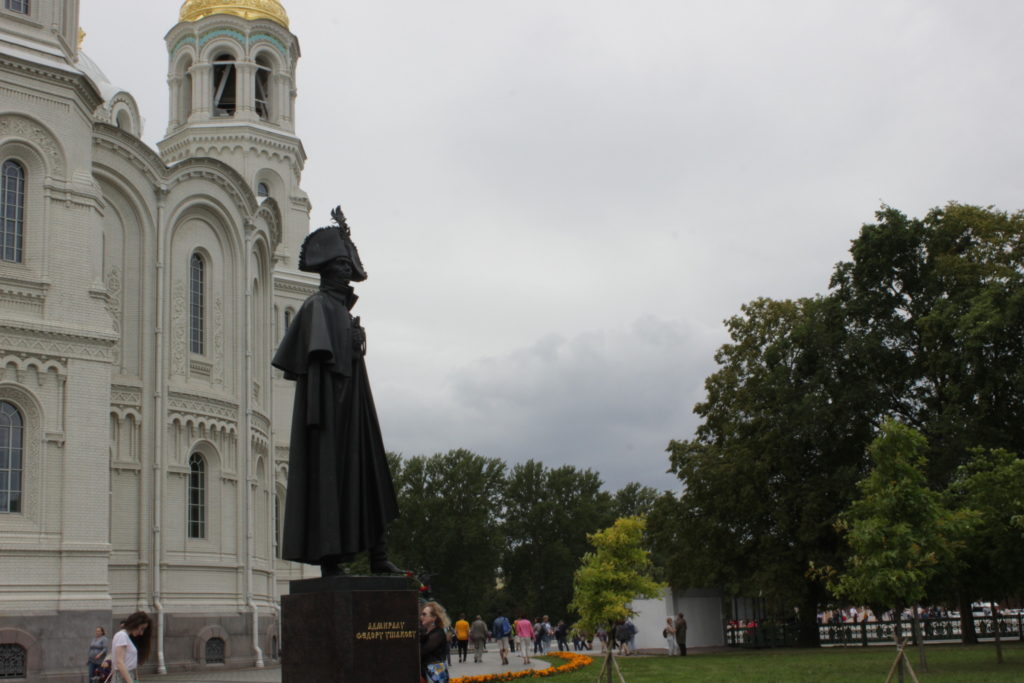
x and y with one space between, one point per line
610 665
901 655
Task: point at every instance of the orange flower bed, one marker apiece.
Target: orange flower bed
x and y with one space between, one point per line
572 662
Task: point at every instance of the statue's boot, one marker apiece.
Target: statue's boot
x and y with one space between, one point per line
332 565
379 562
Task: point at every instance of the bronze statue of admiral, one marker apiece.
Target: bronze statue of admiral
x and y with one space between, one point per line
340 494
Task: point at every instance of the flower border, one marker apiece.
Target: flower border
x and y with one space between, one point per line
573 662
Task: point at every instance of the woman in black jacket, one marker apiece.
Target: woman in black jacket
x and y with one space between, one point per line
434 625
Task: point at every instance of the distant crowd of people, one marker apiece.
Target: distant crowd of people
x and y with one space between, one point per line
439 637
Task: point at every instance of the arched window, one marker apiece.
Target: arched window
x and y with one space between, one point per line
196 496
262 191
224 98
11 435
287 317
19 6
197 304
262 88
13 658
12 210
215 651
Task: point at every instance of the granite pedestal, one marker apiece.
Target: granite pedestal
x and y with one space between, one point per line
350 629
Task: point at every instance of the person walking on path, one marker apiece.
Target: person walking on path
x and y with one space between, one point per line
131 647
632 636
478 635
501 630
681 634
524 632
562 636
462 637
98 649
622 638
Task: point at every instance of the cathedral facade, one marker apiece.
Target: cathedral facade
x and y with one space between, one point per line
143 434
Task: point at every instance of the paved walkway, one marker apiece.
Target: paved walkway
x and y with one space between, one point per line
491 664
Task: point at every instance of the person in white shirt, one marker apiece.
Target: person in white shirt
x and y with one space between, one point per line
131 647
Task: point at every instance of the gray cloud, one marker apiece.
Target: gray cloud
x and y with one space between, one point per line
609 400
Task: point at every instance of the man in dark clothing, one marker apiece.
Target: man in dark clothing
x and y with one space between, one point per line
681 633
340 494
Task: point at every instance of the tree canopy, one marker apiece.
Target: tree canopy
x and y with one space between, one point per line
617 572
899 532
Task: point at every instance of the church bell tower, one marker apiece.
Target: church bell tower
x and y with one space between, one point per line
232 86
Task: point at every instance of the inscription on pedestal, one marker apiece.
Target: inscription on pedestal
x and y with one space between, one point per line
347 635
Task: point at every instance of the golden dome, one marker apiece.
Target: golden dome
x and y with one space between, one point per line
194 10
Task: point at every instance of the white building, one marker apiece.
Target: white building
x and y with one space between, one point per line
143 436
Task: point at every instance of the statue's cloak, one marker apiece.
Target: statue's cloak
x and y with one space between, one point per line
340 493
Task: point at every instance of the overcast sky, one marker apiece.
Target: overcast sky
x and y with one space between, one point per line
560 201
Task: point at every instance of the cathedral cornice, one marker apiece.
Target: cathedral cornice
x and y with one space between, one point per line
213 141
291 284
56 340
201 404
76 81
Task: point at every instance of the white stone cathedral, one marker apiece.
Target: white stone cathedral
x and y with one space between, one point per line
143 435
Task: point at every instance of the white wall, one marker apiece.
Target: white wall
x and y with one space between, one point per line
703 611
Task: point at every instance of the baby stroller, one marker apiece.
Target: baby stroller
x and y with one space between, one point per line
103 674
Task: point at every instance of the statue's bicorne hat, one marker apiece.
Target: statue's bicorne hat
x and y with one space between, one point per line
324 245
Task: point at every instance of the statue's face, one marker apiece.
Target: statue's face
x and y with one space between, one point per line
358 273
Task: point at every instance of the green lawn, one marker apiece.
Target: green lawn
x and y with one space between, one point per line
946 663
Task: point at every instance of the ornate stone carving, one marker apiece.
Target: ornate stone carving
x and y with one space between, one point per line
113 306
55 342
123 396
202 405
23 296
12 125
218 342
179 325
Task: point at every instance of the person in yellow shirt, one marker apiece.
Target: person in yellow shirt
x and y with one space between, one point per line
462 637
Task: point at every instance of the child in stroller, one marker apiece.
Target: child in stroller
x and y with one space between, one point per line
103 672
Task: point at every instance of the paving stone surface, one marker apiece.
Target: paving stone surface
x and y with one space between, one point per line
491 664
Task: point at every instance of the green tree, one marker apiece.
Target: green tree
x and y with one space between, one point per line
775 459
617 572
899 532
450 524
991 484
549 514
